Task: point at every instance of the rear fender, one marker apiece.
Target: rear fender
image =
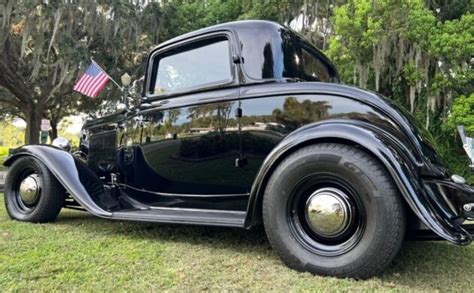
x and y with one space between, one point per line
398 161
75 176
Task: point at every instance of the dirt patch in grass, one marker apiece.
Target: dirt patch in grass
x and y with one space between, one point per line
82 252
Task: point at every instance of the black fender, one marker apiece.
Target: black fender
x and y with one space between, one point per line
397 159
76 178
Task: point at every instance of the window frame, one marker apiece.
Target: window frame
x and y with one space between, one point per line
334 76
152 70
249 79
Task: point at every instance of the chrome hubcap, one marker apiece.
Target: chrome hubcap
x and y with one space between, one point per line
328 212
30 189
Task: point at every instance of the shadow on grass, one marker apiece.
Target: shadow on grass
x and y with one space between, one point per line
420 265
217 237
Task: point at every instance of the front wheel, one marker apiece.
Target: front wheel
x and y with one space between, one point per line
332 209
32 193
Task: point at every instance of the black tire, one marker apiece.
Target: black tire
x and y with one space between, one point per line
374 221
45 205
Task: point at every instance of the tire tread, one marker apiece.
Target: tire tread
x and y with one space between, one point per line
52 197
394 235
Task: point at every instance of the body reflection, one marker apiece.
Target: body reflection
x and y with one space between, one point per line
269 120
296 114
187 147
208 149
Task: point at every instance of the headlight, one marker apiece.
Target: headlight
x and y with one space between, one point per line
62 143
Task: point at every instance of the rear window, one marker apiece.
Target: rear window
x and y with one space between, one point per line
283 55
313 69
200 64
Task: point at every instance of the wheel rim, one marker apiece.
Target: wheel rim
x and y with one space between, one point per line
325 214
28 191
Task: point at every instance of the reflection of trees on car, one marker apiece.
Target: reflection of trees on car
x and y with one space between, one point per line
296 114
267 67
215 116
170 120
223 113
214 145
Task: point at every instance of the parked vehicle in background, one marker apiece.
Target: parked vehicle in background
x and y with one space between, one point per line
245 123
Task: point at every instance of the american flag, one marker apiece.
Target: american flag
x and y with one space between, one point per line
92 82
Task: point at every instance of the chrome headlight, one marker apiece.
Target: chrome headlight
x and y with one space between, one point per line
62 143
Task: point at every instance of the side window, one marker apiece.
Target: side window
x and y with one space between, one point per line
313 68
203 63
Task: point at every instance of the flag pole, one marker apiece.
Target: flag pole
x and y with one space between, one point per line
120 88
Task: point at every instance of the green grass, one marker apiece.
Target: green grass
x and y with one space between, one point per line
83 253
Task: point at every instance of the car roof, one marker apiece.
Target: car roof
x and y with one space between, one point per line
232 26
265 48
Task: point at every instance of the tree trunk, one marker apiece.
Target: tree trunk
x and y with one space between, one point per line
412 96
54 130
33 124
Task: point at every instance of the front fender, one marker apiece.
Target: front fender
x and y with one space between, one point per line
398 161
76 178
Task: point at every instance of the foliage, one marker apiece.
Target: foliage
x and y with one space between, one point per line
3 151
187 15
414 54
45 46
3 155
462 113
73 138
10 135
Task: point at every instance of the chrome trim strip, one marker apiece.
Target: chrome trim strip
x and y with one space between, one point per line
185 195
198 210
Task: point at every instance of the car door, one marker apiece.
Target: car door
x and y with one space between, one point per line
188 143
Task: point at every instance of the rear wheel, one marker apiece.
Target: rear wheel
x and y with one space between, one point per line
32 194
332 209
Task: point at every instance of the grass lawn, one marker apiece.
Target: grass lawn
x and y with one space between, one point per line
82 252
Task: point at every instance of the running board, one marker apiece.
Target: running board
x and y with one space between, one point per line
184 216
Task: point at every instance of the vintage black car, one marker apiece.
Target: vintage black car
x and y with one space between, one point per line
245 123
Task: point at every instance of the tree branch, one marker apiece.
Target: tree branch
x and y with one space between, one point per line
10 79
10 99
